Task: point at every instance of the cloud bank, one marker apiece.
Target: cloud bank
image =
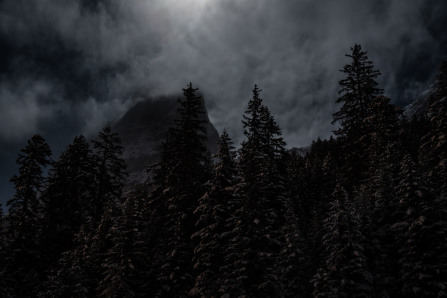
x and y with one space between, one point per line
70 66
89 60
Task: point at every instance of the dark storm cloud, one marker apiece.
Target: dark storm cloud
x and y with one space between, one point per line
89 60
68 67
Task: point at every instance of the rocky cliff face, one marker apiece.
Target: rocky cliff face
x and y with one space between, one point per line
421 105
143 129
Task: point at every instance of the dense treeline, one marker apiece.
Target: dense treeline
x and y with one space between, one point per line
363 214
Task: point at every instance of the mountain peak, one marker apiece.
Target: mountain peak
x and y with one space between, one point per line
143 129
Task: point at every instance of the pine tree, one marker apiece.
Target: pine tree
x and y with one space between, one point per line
179 183
80 185
98 243
263 196
375 198
411 133
320 178
357 91
110 170
68 198
125 263
295 181
23 264
215 226
383 235
70 278
345 272
424 258
78 272
26 204
410 193
424 228
80 269
382 125
294 262
309 181
433 151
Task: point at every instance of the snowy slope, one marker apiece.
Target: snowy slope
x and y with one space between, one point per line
420 105
300 150
142 130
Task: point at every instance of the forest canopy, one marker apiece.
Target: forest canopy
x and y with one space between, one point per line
362 214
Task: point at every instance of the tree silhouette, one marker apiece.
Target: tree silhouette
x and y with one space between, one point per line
215 225
179 181
358 89
345 273
110 170
23 258
263 195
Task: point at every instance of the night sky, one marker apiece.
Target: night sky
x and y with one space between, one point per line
70 66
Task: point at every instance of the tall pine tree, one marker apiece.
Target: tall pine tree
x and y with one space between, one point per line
358 89
423 254
69 198
110 170
345 272
24 263
125 262
215 224
263 195
179 183
433 151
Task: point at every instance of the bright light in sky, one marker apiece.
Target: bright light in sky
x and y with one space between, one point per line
179 9
175 18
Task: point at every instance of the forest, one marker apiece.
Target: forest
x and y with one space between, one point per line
361 214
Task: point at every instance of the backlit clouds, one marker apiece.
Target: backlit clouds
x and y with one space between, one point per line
82 63
108 51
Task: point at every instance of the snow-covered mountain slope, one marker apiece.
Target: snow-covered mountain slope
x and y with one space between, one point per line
420 105
300 150
142 130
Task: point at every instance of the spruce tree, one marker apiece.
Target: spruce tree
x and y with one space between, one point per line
69 278
294 263
425 245
382 236
345 272
79 270
110 170
215 224
382 125
320 178
263 196
68 198
179 183
375 198
410 192
125 262
358 89
23 267
411 133
433 152
423 256
24 207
